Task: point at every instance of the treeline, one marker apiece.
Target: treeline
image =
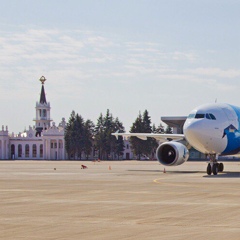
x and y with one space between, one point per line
85 139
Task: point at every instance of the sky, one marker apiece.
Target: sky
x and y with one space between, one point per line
126 56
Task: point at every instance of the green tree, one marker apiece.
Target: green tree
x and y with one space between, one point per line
108 130
118 143
136 143
78 135
160 129
168 130
106 144
142 125
150 142
100 136
68 135
88 137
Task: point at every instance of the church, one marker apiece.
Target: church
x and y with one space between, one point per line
43 141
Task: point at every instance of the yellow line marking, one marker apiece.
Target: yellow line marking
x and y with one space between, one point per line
156 181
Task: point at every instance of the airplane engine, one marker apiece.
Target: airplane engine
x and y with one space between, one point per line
172 153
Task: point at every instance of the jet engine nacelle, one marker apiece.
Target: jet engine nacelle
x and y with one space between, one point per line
172 153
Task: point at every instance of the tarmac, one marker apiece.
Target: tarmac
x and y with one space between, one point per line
118 200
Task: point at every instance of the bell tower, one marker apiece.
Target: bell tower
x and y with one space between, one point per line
42 111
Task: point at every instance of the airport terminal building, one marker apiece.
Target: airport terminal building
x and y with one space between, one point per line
45 140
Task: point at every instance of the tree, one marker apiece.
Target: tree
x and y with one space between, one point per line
168 130
99 136
150 142
108 130
142 125
82 137
136 143
106 144
159 129
88 137
68 135
119 143
78 136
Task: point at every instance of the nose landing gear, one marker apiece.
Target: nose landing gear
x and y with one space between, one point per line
213 166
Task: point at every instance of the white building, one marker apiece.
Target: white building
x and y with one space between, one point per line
43 141
127 153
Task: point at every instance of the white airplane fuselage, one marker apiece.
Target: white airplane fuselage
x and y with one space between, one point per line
214 129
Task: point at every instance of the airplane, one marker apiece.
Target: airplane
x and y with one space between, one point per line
213 129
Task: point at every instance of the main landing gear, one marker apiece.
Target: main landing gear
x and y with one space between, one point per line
213 166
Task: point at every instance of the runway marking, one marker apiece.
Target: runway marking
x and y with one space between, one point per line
157 181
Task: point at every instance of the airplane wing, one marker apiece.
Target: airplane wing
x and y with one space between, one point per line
157 136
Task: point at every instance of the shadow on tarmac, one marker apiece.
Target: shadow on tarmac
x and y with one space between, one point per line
220 175
224 175
167 172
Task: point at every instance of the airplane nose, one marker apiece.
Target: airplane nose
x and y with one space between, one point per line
193 132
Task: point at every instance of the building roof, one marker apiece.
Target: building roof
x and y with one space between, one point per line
174 121
43 96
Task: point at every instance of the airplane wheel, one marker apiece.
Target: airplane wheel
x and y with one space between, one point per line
209 169
220 167
215 169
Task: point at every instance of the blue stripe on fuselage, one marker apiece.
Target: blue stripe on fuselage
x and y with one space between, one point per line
237 111
233 146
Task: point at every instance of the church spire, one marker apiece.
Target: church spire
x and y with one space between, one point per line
42 119
43 96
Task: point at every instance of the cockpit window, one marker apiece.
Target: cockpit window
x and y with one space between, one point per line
191 115
212 116
200 115
209 116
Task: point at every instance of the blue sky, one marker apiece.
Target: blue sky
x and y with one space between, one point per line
127 56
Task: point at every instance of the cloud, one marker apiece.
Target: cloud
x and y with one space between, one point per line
47 45
189 56
78 57
216 72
